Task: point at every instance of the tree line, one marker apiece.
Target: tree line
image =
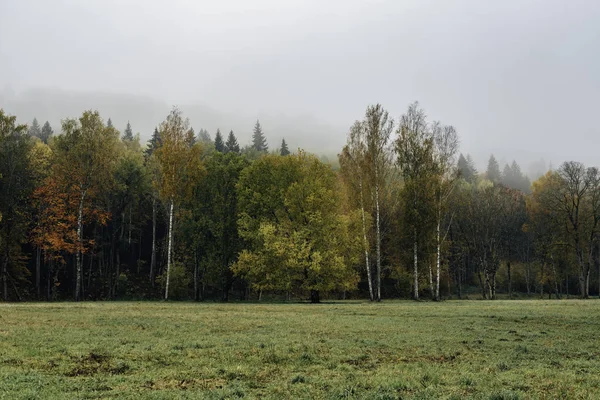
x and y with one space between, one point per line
92 213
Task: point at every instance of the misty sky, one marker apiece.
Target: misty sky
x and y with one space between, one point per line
520 78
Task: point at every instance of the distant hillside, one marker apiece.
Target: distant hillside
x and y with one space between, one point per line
144 113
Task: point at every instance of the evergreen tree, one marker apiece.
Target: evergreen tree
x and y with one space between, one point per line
232 144
46 132
153 143
493 170
204 136
466 168
219 144
259 142
284 148
34 129
128 133
109 123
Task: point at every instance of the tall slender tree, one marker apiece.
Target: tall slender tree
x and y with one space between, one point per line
353 163
284 151
493 170
34 129
414 149
232 146
84 157
15 189
127 133
445 146
378 127
259 142
46 132
180 167
219 143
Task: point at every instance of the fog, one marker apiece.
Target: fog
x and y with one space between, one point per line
519 78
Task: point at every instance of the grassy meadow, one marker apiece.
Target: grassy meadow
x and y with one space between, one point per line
342 350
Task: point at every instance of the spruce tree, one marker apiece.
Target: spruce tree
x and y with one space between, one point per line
153 143
259 142
219 144
34 129
204 136
232 144
109 123
46 132
127 133
493 170
284 148
466 168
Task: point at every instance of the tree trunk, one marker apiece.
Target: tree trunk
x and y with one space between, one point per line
38 267
482 285
5 276
153 256
169 249
314 296
528 277
48 278
129 234
431 286
117 272
196 277
556 290
509 280
416 266
366 243
378 234
438 262
80 243
587 281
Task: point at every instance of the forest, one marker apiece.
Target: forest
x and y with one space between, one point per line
88 212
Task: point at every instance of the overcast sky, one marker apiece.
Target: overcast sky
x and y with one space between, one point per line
520 78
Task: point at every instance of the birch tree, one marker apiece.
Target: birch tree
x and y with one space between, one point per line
353 169
179 166
415 152
445 140
84 158
378 126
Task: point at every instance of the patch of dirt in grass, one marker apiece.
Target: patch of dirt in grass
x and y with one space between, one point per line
97 363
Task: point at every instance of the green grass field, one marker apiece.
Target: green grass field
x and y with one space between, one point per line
470 349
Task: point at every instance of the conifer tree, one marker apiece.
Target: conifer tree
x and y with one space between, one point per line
204 136
109 123
46 132
232 144
127 133
259 142
284 148
219 144
493 170
153 143
34 129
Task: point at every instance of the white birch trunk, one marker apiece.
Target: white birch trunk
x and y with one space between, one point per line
365 243
378 240
169 249
438 260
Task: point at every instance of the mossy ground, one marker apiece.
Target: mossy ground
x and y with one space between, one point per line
455 349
